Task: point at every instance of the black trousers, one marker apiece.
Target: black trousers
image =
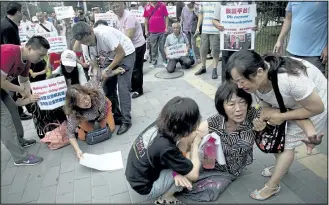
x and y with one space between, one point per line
16 96
137 76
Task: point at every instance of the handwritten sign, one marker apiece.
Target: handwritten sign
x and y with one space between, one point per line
139 15
46 35
57 44
109 17
238 22
171 11
33 26
22 33
52 92
64 12
176 51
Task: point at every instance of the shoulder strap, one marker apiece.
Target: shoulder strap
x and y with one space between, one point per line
155 9
274 78
44 27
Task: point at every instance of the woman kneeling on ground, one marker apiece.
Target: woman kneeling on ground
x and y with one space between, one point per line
156 166
87 103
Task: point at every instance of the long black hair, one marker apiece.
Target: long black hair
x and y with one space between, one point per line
178 118
73 76
247 62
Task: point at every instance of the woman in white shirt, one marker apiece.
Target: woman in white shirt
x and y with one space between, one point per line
70 69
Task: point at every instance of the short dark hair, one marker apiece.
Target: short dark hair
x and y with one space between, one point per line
224 93
100 22
37 42
80 30
13 8
178 118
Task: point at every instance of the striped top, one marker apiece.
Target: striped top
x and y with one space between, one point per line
208 9
237 146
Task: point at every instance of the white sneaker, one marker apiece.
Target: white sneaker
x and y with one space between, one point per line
165 64
152 66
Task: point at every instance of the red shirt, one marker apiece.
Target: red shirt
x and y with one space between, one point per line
157 22
11 62
55 60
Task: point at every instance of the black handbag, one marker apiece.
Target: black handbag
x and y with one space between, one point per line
98 134
272 138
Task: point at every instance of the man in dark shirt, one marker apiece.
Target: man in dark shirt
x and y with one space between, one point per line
9 35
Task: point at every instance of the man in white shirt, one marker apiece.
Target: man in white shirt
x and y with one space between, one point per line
111 49
26 26
44 26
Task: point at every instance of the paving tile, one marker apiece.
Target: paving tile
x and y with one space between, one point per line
51 177
48 194
20 181
292 182
138 112
55 158
115 180
101 192
314 182
31 192
82 190
10 163
66 183
309 196
8 175
104 200
4 192
135 197
287 196
3 166
97 149
66 198
13 198
68 162
85 202
125 149
120 198
296 167
226 197
81 172
99 178
34 149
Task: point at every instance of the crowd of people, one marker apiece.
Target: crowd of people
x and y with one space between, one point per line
103 70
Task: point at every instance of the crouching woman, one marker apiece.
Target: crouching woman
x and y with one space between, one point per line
87 104
156 166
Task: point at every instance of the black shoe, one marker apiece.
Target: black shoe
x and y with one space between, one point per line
28 143
201 71
214 73
25 116
117 121
123 128
136 95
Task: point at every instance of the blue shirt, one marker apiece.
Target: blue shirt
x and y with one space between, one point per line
309 28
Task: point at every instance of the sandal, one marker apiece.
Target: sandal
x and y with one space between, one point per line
161 201
260 198
267 171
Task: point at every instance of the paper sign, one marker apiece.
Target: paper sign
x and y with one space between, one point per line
64 12
33 26
52 92
103 162
109 17
57 44
176 51
238 22
46 35
171 11
139 15
22 34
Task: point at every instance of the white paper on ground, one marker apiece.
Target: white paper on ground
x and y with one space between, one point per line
220 154
103 162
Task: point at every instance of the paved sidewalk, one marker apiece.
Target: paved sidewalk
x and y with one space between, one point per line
60 178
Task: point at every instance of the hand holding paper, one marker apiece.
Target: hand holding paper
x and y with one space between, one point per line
104 162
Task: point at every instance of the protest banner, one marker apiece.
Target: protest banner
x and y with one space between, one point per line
33 26
23 35
139 15
109 17
57 44
238 22
176 51
64 12
46 35
171 11
52 92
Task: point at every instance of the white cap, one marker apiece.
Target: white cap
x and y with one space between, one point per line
134 2
34 19
69 58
